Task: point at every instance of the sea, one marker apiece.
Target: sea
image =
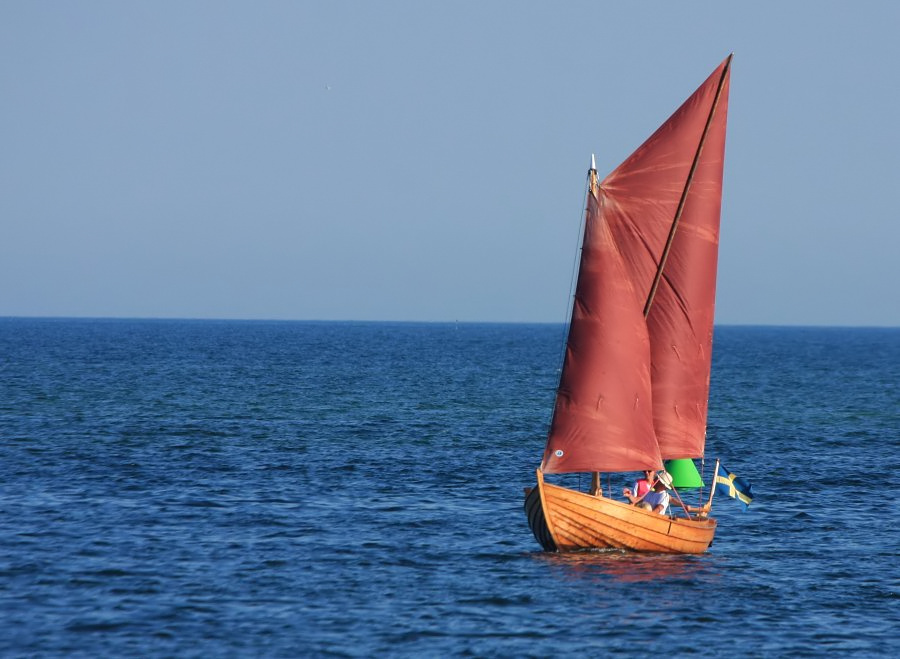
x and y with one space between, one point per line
173 488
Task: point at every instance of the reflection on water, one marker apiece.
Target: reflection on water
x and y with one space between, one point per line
628 567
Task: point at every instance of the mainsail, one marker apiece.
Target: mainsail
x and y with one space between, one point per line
635 380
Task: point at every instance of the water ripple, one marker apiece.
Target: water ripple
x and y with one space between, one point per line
179 488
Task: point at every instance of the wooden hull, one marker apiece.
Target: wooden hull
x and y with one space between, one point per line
567 520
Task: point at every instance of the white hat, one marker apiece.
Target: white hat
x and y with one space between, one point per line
665 478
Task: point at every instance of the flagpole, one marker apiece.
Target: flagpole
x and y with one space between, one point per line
712 489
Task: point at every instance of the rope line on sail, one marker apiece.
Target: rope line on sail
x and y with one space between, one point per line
686 190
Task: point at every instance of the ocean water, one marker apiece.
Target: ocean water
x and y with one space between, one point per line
179 488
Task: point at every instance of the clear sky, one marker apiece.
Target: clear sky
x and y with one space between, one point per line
426 160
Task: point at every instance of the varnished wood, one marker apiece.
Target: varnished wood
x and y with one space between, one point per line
569 520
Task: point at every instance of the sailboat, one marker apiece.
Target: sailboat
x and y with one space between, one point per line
634 385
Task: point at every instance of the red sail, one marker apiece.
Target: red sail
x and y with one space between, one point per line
659 213
672 186
603 418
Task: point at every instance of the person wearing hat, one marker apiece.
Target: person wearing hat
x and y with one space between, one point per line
657 499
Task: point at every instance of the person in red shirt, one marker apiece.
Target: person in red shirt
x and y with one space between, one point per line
641 486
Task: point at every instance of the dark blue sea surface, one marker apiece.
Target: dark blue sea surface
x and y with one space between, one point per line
286 489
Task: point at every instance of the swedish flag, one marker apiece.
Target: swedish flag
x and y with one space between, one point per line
733 486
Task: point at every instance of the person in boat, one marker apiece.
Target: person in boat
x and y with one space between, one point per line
641 486
657 498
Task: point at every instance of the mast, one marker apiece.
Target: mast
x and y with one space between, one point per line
593 189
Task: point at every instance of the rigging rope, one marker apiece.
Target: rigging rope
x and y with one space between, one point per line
573 282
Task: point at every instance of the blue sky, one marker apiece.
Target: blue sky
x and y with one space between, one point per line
426 161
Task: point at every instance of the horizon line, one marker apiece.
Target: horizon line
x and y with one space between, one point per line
792 325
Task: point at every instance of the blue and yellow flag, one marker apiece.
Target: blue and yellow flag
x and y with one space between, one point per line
733 486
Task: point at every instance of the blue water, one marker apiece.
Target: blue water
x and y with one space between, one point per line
176 488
